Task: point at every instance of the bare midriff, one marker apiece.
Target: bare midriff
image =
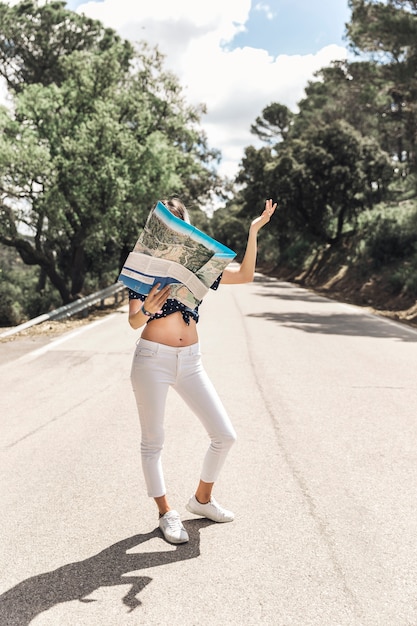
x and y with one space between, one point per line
171 331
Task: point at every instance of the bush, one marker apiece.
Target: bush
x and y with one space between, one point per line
403 279
10 308
37 303
389 234
389 243
20 295
295 254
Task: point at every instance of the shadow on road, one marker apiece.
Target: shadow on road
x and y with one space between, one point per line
364 325
75 581
289 291
340 324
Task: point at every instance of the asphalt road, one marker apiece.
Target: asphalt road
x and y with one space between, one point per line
323 478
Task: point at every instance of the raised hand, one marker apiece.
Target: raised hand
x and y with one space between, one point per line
265 215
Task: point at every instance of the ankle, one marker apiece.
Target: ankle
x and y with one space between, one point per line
203 492
162 513
202 500
162 504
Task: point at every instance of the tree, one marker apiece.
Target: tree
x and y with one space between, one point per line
35 40
350 91
229 228
355 130
83 158
327 177
322 179
253 176
387 31
274 124
385 28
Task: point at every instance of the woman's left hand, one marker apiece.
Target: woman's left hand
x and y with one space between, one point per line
265 216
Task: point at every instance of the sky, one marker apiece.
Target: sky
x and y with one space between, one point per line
235 56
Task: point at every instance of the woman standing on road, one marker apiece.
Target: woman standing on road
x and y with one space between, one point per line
168 354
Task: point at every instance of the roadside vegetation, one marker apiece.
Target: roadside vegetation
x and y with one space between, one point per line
97 130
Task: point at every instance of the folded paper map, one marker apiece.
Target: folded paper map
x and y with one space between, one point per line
170 251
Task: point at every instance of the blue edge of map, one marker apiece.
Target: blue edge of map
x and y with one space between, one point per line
220 250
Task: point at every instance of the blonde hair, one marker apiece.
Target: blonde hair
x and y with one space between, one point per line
177 208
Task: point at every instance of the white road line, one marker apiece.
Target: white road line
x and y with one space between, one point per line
356 309
26 358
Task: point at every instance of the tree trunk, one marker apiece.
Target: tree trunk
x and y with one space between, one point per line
77 270
31 256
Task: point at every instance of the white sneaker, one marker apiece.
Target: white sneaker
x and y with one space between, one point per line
212 510
172 528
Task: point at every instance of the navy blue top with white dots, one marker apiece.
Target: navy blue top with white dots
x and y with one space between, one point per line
172 306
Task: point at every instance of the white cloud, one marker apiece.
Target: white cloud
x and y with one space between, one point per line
179 21
237 85
265 7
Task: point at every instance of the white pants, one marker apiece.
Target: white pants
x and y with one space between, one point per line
155 368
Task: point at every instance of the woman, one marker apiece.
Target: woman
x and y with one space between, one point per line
167 355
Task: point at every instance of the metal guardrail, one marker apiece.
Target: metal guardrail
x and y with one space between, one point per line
68 310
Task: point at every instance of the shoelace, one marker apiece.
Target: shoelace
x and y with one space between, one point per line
219 510
174 522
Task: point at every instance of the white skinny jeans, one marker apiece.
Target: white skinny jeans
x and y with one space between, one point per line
155 368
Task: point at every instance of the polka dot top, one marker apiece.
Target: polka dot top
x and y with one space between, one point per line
172 305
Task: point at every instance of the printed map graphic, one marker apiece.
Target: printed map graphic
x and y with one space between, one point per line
162 242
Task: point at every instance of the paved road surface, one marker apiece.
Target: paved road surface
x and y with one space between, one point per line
323 478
